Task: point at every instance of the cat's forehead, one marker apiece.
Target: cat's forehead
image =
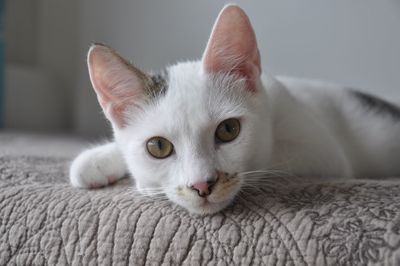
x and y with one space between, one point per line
191 92
191 100
186 80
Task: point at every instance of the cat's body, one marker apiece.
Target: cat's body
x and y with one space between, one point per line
200 130
362 139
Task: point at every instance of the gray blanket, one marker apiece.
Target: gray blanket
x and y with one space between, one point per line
44 221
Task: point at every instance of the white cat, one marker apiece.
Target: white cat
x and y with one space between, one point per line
197 131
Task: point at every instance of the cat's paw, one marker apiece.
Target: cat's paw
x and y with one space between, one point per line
97 167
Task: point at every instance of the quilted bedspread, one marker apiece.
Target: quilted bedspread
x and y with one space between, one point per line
44 221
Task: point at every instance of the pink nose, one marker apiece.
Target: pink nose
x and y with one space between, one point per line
203 188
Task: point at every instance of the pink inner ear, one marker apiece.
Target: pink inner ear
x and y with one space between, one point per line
232 47
116 83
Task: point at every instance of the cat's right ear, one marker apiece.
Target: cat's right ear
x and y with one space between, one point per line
232 47
116 82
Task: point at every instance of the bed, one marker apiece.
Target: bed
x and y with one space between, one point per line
44 221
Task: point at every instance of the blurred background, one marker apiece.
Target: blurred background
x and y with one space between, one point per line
355 43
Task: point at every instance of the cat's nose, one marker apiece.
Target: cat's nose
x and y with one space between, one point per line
203 188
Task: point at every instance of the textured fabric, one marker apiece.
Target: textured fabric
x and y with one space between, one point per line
44 221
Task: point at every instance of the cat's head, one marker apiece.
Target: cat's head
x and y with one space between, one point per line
190 131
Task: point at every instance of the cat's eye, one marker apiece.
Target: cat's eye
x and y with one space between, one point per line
228 130
159 147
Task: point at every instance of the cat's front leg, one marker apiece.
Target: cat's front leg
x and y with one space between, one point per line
98 167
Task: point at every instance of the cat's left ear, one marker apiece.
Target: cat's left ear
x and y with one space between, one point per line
117 83
232 47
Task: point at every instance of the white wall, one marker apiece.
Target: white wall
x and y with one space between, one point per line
41 57
355 43
20 31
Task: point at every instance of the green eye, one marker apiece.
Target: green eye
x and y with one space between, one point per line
228 130
159 147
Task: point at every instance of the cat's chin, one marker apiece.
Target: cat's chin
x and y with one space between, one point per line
204 206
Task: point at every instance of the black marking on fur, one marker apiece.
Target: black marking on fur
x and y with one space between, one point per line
160 82
377 105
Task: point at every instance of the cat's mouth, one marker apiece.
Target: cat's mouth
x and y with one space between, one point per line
222 194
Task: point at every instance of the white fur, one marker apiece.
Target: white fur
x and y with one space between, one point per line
301 127
298 127
98 167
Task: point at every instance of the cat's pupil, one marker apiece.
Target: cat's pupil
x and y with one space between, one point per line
228 128
159 144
